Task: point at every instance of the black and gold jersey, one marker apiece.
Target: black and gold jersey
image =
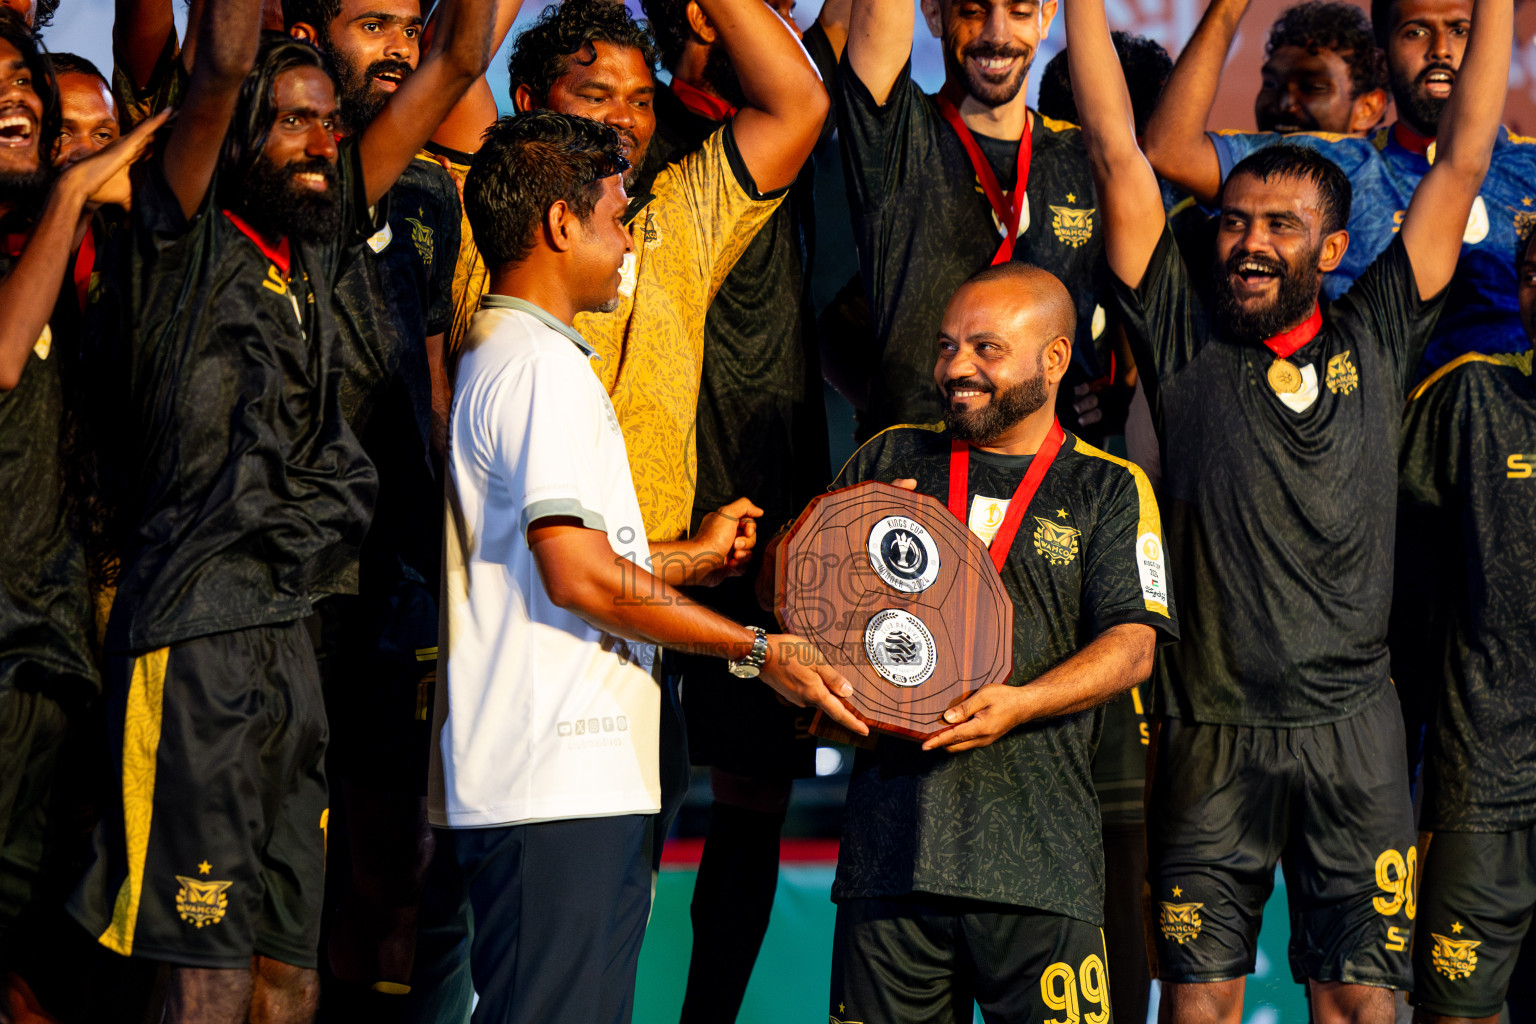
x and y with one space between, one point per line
393 291
1469 489
923 225
45 608
1016 822
248 483
1281 508
761 421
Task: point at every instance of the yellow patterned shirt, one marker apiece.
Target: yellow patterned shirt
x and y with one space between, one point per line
687 235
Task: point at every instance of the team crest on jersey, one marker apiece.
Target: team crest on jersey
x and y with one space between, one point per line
1056 542
422 236
1179 921
1454 958
1342 376
1525 221
1071 225
201 902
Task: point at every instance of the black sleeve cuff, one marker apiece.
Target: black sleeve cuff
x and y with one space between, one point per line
739 169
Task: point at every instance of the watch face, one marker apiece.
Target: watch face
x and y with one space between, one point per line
744 671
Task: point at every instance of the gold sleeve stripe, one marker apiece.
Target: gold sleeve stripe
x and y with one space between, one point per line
1149 519
141 744
1519 360
935 427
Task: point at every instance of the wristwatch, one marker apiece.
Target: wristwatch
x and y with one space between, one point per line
752 664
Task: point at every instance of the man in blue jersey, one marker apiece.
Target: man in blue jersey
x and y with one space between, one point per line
1424 41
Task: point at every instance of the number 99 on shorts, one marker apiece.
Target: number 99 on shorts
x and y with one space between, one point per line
1065 990
1395 878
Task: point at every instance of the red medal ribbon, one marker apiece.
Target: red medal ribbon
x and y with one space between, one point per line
1282 345
959 485
15 242
85 262
1008 207
711 108
1411 140
278 254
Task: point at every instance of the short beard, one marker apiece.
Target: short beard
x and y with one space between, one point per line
1006 408
276 207
988 93
720 74
1414 105
24 191
359 102
1293 301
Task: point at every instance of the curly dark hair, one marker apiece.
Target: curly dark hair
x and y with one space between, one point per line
15 31
544 50
669 24
1288 160
1338 26
1523 239
42 13
528 162
1143 60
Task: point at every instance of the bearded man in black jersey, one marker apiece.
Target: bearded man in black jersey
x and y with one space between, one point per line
377 649
1469 521
1281 735
971 868
252 495
48 673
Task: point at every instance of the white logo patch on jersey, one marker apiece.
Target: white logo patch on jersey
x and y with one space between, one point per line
986 516
1477 223
1153 570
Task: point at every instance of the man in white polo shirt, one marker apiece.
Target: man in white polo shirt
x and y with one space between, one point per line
545 772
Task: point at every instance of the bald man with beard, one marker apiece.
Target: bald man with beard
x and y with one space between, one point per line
971 866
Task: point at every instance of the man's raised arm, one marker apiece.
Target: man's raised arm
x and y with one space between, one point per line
226 47
1177 145
459 54
879 43
1128 194
476 110
786 103
1468 128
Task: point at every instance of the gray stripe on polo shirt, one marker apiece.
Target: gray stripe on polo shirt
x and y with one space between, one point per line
565 507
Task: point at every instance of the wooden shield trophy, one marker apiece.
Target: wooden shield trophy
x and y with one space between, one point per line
901 598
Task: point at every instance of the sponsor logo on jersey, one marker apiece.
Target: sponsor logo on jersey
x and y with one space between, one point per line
1056 542
1072 225
1519 466
275 281
422 236
900 647
903 554
1179 921
201 902
1149 564
1342 376
1525 220
1454 958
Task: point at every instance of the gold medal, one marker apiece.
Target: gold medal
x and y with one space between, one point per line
1284 378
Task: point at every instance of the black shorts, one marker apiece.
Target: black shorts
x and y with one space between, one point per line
217 850
1476 894
33 729
1330 802
378 698
928 958
739 725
